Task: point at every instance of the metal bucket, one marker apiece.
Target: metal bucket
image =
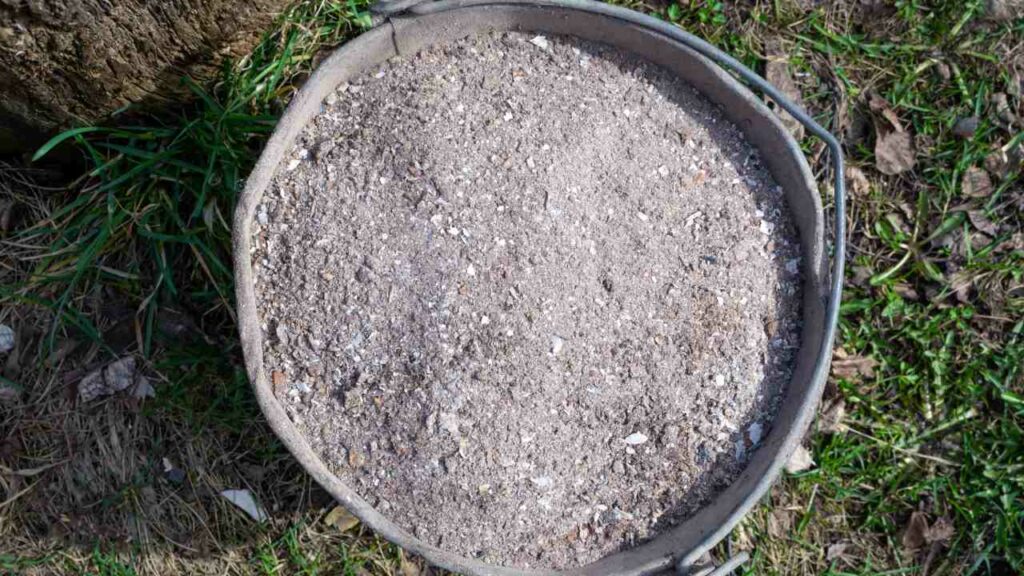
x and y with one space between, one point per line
407 26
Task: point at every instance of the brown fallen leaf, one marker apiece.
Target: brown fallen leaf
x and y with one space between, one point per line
924 144
1002 10
906 291
961 282
778 73
851 367
858 127
1000 163
941 531
831 416
861 275
1002 110
1017 200
836 550
880 106
857 182
1013 87
780 522
976 183
799 461
339 517
895 152
117 376
407 566
980 221
914 533
1014 243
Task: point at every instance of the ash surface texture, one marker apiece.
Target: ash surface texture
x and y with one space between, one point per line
532 298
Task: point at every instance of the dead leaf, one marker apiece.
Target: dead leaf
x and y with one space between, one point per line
908 210
880 106
914 533
246 502
861 275
857 181
894 152
830 419
858 127
143 388
854 366
778 73
1014 243
976 183
980 221
119 375
339 517
1013 87
897 222
836 550
941 532
779 523
923 144
1002 10
799 461
407 566
906 291
1002 111
961 282
1000 163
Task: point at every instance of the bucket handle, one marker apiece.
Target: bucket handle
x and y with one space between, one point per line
687 565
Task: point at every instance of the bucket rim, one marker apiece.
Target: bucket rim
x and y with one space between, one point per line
391 12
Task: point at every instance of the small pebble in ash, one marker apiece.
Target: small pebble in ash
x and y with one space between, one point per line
532 284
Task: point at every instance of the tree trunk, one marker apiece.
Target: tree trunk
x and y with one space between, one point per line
71 62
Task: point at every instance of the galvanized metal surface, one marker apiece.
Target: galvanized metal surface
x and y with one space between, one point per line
408 26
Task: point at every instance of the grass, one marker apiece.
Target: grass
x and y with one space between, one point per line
937 427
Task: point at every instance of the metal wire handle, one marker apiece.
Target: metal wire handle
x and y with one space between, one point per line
686 565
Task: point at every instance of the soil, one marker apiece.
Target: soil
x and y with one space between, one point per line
534 299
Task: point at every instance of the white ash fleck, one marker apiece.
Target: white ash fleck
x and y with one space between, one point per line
635 439
542 482
541 42
557 342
